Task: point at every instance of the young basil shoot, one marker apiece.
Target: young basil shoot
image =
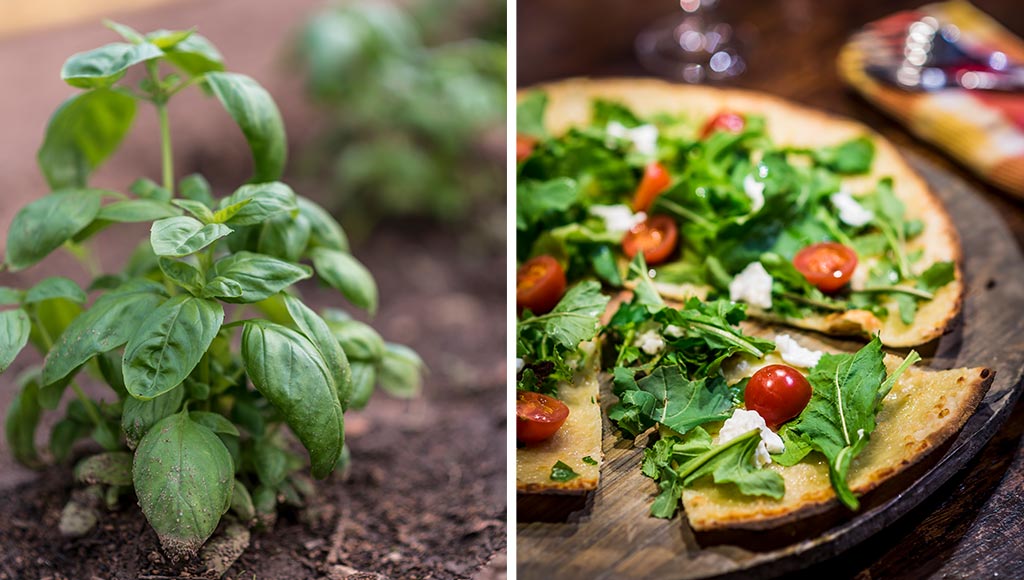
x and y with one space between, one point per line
192 425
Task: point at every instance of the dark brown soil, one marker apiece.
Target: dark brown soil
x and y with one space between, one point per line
426 493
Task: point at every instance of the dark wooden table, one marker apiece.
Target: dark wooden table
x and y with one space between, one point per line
973 527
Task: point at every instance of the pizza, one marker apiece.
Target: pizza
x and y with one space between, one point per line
735 230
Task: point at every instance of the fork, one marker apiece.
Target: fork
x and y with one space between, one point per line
916 52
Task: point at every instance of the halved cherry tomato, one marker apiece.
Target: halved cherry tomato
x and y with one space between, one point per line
540 284
724 121
656 237
654 181
778 393
538 417
827 265
524 146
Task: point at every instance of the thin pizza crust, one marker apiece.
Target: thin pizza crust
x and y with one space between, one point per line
569 105
922 411
579 436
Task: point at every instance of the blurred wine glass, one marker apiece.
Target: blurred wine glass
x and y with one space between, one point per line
691 45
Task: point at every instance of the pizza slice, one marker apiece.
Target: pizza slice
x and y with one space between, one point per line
812 220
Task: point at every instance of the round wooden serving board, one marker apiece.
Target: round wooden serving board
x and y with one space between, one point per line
609 534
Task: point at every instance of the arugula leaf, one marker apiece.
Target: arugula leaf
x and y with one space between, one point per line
848 158
677 463
605 112
535 199
668 398
936 276
530 114
562 472
575 318
589 460
839 419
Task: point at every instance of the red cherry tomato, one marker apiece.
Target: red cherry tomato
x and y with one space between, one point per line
724 121
827 265
778 393
538 417
524 146
656 237
540 284
654 181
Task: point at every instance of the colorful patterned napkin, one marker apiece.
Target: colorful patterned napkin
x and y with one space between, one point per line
984 130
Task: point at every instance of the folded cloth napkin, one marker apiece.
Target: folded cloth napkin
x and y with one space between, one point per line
984 130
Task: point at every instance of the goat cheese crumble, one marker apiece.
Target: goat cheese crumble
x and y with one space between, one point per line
753 285
618 219
650 342
520 364
644 137
794 354
851 212
743 421
755 191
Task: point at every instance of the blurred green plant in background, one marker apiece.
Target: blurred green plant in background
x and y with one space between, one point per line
413 95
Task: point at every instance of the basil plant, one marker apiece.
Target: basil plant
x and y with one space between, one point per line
193 424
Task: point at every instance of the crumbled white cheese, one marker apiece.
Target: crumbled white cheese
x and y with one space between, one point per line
644 137
650 342
742 366
743 421
753 285
860 433
755 191
673 331
794 354
618 219
851 212
519 364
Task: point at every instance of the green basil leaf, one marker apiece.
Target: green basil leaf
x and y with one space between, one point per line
11 296
246 277
111 468
254 110
82 133
46 223
138 415
51 318
14 332
182 235
195 188
325 231
137 210
364 377
183 274
64 435
401 371
107 325
263 201
127 32
148 189
169 344
183 477
168 39
241 503
195 55
347 275
271 463
316 330
215 422
289 371
103 66
197 209
20 425
359 340
55 287
284 237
